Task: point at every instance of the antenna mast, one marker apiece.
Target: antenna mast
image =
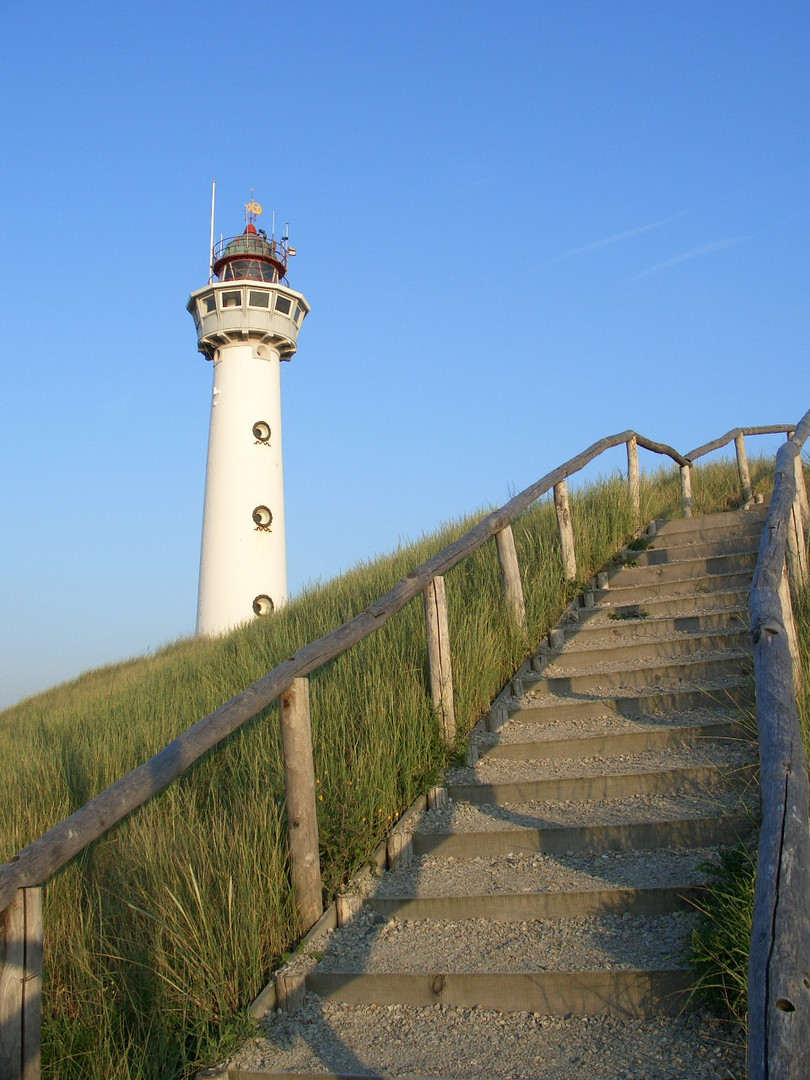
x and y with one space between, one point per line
211 247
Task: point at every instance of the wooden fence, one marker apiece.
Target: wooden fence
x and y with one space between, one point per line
779 966
22 878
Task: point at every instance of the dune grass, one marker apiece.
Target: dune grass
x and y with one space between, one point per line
160 934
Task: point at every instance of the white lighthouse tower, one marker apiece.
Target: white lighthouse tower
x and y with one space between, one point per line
247 321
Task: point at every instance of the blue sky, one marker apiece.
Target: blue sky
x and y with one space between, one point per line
521 226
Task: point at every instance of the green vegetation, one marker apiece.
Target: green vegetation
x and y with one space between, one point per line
158 936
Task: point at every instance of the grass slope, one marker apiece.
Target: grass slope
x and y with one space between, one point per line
158 936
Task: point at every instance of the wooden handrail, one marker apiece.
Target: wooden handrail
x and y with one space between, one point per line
37 862
730 436
779 968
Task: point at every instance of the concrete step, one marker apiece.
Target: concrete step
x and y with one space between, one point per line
334 1041
697 780
621 742
678 831
620 605
509 907
637 673
549 993
712 524
617 875
580 653
690 568
657 554
630 592
597 630
720 693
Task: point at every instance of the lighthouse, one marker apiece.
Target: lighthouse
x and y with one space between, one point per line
247 319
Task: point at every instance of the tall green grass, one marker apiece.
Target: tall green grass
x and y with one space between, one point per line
159 935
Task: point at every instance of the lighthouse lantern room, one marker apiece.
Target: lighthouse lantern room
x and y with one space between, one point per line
247 321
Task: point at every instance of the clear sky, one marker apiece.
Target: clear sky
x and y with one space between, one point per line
520 225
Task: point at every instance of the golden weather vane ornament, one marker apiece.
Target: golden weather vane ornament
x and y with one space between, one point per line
252 209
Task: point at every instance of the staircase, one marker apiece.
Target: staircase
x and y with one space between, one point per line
535 924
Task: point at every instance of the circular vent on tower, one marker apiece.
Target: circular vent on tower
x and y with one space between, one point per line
262 605
261 431
263 517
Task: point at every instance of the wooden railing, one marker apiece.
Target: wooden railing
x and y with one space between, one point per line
779 968
23 876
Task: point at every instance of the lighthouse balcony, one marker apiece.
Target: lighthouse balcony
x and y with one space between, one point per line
228 310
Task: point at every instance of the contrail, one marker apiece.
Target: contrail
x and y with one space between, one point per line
693 253
619 237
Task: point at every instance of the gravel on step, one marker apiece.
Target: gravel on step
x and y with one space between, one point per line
468 1044
482 876
553 671
374 944
464 817
561 727
539 698
581 646
503 770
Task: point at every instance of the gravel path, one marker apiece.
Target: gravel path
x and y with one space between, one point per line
374 944
500 770
462 817
610 723
446 1041
479 1044
433 876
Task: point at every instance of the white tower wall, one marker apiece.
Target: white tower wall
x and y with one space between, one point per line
247 327
243 559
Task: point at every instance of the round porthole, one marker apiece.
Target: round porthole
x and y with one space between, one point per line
262 516
261 431
262 605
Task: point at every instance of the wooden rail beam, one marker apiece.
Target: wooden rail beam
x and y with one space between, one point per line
299 786
441 673
778 973
510 576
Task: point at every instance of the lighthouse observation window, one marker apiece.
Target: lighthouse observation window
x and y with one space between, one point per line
209 304
299 314
283 304
258 299
231 299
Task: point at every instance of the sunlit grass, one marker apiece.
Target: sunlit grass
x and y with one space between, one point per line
159 936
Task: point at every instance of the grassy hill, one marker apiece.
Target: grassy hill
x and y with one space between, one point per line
158 936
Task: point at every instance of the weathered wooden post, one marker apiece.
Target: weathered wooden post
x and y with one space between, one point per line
21 986
566 530
510 576
686 490
299 784
742 468
438 643
633 478
801 491
796 549
789 623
